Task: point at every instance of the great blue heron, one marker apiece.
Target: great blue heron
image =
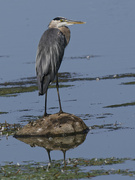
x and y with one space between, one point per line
50 53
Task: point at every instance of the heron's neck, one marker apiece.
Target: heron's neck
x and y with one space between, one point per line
65 30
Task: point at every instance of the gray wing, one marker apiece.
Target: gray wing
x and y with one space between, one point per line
49 56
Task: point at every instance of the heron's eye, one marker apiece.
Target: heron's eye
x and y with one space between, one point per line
61 20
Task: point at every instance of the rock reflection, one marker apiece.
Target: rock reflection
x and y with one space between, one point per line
55 143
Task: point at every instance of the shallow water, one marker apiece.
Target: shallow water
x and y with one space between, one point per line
98 81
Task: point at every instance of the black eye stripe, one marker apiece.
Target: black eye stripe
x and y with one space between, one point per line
58 18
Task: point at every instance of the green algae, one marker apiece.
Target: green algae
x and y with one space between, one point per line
8 129
13 91
72 169
3 113
29 84
121 105
129 83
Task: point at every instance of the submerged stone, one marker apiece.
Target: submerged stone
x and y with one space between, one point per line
54 125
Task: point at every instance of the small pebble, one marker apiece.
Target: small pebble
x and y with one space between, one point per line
68 161
88 57
18 164
50 138
115 76
2 129
49 164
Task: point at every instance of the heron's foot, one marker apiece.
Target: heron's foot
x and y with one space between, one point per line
60 112
45 114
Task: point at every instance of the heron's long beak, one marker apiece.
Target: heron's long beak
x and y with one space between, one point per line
71 22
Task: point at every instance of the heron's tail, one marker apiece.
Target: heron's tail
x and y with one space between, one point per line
43 85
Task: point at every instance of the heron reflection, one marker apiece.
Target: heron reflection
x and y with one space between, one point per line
55 143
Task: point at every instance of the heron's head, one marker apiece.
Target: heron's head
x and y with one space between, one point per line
61 21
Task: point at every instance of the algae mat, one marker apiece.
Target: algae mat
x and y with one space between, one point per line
71 169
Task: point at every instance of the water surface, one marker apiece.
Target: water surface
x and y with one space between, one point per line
97 76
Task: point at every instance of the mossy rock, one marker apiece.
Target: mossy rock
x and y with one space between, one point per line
54 125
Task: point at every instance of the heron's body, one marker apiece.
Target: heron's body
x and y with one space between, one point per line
50 53
49 56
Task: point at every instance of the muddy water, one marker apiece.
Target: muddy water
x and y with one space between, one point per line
97 76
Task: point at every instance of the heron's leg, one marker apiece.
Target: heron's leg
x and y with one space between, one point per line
57 86
45 114
48 151
64 153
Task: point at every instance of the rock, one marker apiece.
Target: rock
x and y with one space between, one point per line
53 125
